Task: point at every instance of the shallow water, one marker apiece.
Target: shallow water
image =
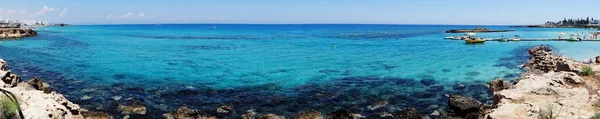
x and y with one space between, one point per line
279 69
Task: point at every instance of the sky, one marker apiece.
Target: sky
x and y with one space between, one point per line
449 12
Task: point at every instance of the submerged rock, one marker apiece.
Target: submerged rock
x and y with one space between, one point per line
340 114
96 115
135 108
184 112
225 109
311 114
250 114
270 116
410 113
498 84
461 106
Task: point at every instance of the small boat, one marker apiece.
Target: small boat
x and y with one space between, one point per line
452 38
475 40
516 38
503 40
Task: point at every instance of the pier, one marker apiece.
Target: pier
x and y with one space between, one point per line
540 39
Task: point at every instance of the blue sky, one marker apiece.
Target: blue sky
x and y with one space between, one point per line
484 12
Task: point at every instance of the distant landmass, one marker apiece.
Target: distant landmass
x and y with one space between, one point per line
568 23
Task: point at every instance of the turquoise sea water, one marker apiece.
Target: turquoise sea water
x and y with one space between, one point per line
279 69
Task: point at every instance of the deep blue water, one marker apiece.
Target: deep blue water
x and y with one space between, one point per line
279 69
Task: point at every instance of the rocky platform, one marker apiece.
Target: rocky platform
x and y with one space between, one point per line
551 84
35 99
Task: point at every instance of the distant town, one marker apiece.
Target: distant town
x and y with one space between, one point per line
7 23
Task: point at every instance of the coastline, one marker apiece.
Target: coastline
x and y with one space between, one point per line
9 33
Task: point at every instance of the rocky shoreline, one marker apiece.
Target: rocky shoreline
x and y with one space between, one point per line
9 33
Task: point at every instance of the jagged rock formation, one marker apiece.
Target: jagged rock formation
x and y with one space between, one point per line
16 33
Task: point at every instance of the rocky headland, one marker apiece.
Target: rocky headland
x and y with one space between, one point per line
8 33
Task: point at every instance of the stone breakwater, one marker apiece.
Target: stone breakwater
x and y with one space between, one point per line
35 98
7 33
551 86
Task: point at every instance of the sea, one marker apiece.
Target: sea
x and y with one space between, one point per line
275 68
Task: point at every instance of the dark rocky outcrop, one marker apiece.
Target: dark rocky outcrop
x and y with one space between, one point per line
311 114
184 112
38 84
461 106
96 115
340 114
410 113
270 116
10 79
16 33
597 59
541 60
498 84
135 108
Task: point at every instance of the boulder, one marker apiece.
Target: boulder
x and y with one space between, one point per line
270 116
541 60
184 112
498 84
340 114
311 114
96 115
568 65
3 65
39 85
410 113
11 80
597 59
135 108
225 109
250 114
461 106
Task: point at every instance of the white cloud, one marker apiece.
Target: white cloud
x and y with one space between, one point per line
24 11
109 16
62 14
129 14
141 15
45 10
10 11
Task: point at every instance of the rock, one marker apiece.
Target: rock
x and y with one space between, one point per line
380 104
270 116
541 60
135 108
86 97
410 113
11 80
461 106
116 98
250 114
340 114
534 92
184 112
498 84
225 109
96 115
473 116
567 65
311 114
39 84
3 65
597 59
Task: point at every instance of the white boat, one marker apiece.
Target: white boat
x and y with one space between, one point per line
516 38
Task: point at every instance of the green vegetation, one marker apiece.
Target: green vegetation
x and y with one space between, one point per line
9 107
596 116
548 113
586 71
